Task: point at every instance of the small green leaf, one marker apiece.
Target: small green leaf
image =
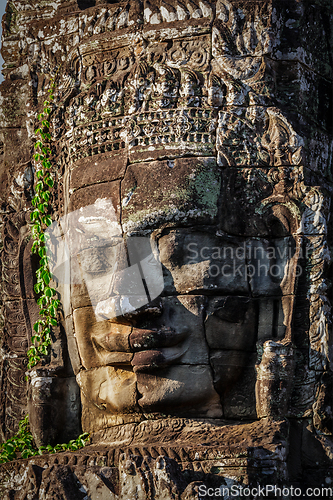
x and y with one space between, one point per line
43 262
47 279
34 247
42 251
42 301
52 311
27 453
9 447
46 195
48 219
34 215
43 350
36 326
31 352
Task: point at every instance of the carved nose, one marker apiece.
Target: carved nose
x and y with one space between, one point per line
119 309
153 309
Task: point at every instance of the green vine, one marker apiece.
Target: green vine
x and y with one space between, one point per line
41 218
21 445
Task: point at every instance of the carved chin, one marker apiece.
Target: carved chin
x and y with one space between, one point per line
178 389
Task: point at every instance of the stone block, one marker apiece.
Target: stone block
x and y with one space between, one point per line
293 84
233 20
14 94
240 401
96 482
99 168
196 261
257 136
111 389
275 315
272 266
72 346
231 323
228 367
293 41
87 196
53 398
304 387
180 389
313 452
181 190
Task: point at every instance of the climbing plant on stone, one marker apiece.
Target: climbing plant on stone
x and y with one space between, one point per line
21 445
41 219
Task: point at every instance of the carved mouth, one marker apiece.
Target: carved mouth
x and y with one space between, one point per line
144 349
155 349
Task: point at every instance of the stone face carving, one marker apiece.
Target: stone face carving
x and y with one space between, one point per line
191 240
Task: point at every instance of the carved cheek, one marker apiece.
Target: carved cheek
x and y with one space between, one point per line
100 342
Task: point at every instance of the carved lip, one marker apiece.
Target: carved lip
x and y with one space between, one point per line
144 349
157 358
143 340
